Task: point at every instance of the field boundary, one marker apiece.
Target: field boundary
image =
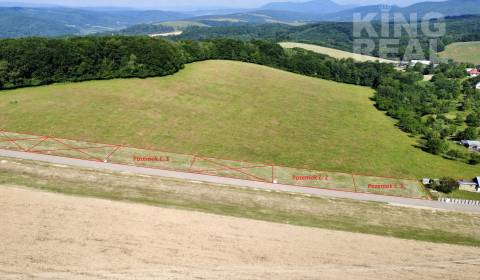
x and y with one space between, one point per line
196 164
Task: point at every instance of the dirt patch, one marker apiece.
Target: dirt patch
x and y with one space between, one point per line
52 236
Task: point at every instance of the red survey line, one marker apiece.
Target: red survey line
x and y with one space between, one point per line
234 168
21 139
262 181
40 142
68 149
13 141
132 147
112 152
354 183
273 174
193 161
77 149
273 166
250 175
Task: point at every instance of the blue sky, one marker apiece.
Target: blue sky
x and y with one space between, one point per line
196 3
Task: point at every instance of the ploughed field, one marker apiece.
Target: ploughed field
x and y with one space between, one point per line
232 110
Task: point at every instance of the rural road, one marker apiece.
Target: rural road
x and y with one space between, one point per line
238 182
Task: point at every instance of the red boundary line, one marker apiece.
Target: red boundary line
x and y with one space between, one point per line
231 168
138 148
286 184
73 149
354 183
77 149
193 161
235 168
205 158
21 139
112 152
12 141
40 142
273 174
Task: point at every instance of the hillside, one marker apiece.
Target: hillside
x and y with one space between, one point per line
463 52
59 21
445 8
244 111
309 7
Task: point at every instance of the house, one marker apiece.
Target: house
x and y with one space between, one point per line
475 145
424 62
470 186
473 72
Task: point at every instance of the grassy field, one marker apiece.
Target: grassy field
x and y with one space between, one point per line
231 110
182 24
334 52
337 214
463 52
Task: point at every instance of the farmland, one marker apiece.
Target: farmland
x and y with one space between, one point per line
339 54
463 52
231 110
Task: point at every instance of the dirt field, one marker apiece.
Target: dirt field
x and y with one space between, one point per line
52 236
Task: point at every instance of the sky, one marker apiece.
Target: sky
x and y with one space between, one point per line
194 4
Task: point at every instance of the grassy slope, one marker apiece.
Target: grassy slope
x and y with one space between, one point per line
334 52
231 110
463 52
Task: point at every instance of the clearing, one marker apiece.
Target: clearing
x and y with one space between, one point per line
335 53
468 52
232 110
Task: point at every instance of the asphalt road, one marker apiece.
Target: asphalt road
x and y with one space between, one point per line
237 182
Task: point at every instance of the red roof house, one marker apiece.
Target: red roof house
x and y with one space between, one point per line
473 72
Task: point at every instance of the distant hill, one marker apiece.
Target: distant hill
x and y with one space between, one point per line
447 8
310 7
263 16
59 21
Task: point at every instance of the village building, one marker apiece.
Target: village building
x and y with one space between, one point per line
470 186
471 144
473 72
424 62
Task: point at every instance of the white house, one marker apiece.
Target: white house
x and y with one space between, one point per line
424 62
470 143
471 186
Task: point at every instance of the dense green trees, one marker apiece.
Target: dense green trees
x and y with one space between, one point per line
37 61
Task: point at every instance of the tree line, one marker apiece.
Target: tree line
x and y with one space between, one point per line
40 61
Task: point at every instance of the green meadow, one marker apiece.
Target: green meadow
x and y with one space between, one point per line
463 52
232 110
